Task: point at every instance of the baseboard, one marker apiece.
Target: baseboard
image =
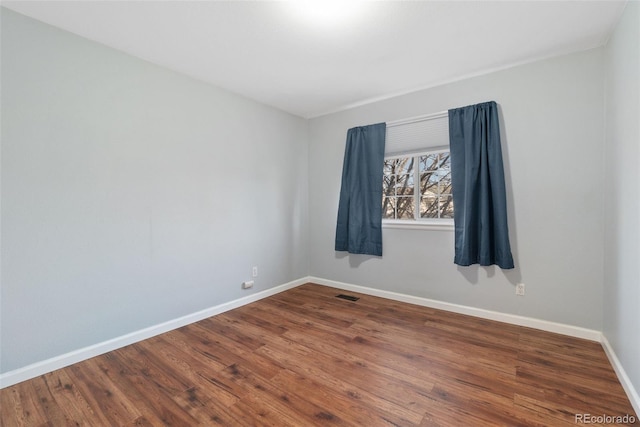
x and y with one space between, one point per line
514 319
559 328
39 368
631 391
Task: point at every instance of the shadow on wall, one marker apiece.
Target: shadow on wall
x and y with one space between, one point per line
471 273
355 260
514 276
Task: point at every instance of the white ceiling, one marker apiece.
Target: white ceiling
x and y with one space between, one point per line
266 51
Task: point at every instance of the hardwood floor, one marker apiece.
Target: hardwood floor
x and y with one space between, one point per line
306 358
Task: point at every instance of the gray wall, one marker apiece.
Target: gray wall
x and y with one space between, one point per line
132 195
553 131
622 230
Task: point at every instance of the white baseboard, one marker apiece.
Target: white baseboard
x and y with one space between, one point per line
631 391
559 328
31 371
39 368
514 319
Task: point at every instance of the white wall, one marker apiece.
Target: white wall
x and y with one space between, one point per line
552 145
132 195
622 197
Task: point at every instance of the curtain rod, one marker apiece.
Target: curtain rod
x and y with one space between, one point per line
422 118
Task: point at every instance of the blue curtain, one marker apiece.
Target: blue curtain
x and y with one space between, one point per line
479 196
359 228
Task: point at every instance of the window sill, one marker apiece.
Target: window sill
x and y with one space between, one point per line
439 225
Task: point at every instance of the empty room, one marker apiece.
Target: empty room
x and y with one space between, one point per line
318 213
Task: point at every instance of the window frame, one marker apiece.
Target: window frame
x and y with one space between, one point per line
441 224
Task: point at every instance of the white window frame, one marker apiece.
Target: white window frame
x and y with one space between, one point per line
419 222
440 224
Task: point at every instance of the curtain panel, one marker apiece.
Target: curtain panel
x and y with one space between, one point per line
359 225
478 185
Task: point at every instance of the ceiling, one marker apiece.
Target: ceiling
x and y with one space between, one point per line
271 52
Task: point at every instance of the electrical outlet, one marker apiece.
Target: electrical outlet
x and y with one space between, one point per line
520 289
248 284
254 272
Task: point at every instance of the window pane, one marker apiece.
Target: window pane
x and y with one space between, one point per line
428 163
446 207
429 207
388 207
429 184
404 165
389 166
404 185
445 162
388 185
404 208
445 184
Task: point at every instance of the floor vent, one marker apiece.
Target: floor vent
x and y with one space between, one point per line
347 297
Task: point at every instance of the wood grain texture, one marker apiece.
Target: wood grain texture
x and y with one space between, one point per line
306 358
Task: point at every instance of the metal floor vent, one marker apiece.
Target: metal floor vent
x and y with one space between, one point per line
347 297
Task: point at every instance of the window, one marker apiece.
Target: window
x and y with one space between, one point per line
429 199
417 173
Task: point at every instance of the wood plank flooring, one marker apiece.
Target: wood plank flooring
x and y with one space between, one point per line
306 358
